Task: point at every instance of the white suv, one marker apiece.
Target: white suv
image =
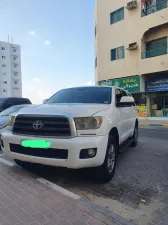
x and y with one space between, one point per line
76 128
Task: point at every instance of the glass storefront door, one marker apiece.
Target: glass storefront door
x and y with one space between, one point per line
159 104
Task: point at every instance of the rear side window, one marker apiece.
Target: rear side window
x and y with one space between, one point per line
18 101
25 101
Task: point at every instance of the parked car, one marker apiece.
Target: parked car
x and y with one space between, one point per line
76 128
5 114
8 102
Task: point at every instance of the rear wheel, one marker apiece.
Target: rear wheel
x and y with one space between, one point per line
106 172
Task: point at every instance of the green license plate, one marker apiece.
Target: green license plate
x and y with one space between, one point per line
35 143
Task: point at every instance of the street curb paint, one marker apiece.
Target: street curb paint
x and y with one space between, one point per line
58 188
143 124
153 125
6 162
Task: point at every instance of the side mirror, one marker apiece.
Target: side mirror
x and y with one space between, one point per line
44 101
126 101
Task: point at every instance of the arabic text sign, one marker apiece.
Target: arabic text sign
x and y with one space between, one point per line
131 84
157 85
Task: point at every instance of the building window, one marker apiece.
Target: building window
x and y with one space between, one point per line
95 31
15 74
15 82
149 7
14 57
4 82
117 15
15 65
117 53
4 74
155 48
95 62
4 90
14 49
3 57
3 48
3 65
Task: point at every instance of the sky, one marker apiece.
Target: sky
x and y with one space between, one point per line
57 43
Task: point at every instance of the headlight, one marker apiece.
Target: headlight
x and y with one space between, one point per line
88 123
11 121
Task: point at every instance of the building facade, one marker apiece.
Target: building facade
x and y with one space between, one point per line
10 70
131 51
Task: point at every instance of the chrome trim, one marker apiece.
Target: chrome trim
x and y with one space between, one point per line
66 115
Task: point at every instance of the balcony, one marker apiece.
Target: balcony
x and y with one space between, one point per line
154 53
155 8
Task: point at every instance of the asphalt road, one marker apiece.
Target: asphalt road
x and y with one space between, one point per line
138 191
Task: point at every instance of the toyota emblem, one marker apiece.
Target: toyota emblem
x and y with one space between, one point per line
37 125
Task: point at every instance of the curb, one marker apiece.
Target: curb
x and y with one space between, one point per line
109 214
152 125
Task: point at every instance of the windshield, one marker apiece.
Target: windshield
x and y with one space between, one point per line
85 95
10 110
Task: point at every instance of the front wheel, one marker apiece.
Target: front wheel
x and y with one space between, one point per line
135 137
106 172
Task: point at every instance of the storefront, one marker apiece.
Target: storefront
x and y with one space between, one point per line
133 86
158 94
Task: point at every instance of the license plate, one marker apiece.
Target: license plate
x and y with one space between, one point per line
35 143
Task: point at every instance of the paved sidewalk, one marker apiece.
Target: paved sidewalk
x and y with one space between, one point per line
23 201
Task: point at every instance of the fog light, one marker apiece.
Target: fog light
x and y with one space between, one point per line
91 152
88 153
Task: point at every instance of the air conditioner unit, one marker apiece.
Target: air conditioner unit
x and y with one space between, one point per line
132 46
131 5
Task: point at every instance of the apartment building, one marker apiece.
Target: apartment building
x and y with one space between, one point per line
131 51
10 70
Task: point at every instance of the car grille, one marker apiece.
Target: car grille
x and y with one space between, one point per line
52 126
38 152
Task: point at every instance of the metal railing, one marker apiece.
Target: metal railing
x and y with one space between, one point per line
154 53
155 8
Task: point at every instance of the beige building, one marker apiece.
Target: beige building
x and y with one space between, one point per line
131 50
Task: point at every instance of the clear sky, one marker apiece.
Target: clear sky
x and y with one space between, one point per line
57 43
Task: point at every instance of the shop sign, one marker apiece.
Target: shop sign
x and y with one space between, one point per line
142 111
130 84
157 85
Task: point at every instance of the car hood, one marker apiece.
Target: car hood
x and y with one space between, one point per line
75 110
3 120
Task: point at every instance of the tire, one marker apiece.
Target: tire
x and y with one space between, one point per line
135 137
106 172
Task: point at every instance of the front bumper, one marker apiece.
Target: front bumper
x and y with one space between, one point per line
73 145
